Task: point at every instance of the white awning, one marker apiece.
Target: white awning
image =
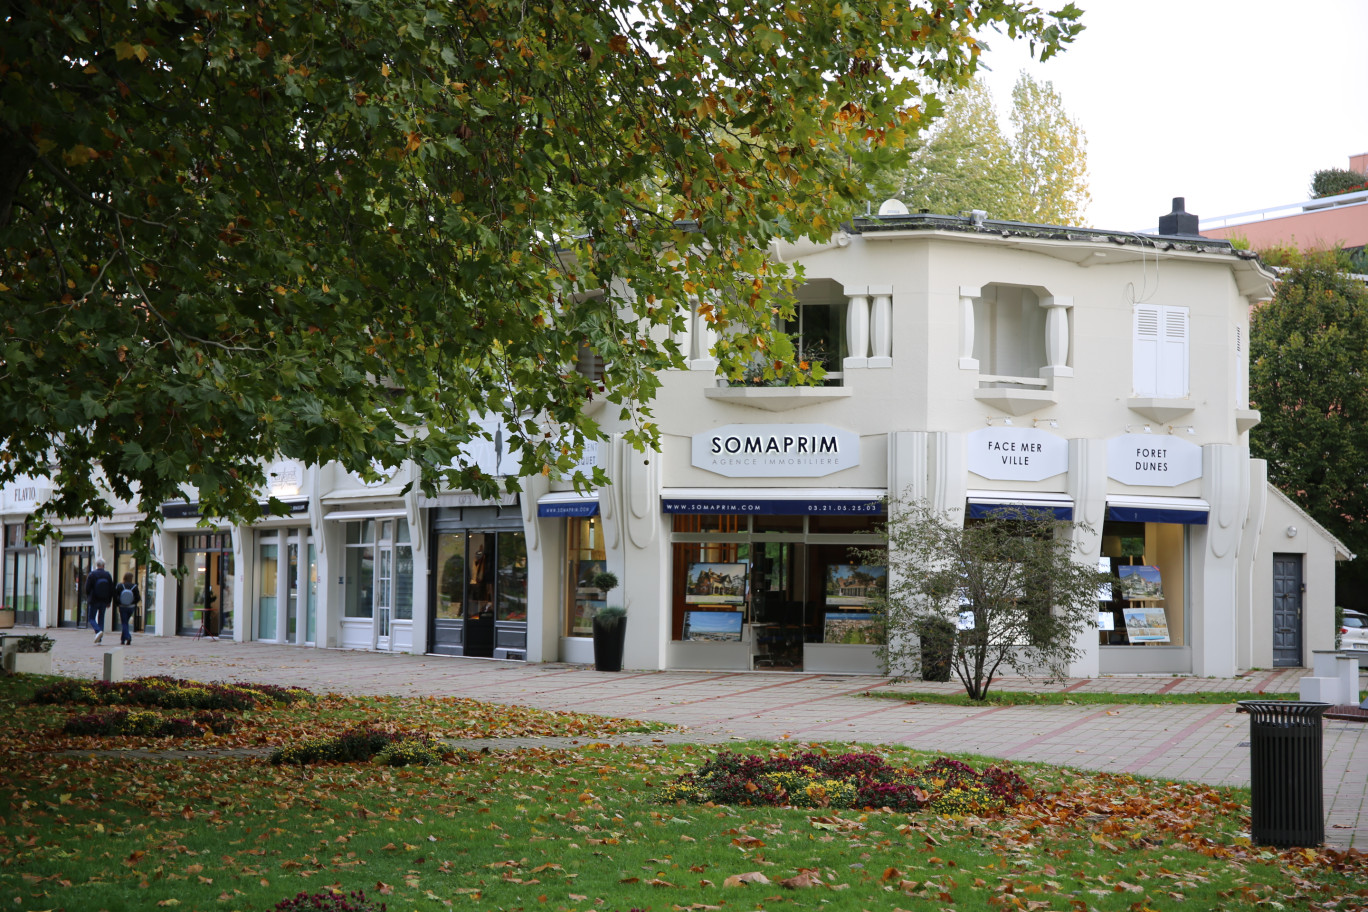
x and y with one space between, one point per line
358 515
774 501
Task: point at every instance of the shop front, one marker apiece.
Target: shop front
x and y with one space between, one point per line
479 577
778 579
125 562
204 601
23 579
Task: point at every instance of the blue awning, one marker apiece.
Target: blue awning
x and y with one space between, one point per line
1190 511
568 504
774 501
985 504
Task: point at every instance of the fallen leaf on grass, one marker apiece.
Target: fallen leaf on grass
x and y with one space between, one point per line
740 880
803 879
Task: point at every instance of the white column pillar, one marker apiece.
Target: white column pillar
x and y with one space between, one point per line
857 328
1087 485
1056 336
702 338
881 326
968 294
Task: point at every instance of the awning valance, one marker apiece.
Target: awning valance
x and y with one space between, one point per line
774 501
1132 508
568 503
358 515
983 504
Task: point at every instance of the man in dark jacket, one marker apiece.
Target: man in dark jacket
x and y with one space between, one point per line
99 590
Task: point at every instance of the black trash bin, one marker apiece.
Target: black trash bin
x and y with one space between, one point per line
1287 807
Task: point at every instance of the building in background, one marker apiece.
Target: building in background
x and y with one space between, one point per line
1316 224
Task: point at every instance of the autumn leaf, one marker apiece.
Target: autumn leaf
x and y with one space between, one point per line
750 877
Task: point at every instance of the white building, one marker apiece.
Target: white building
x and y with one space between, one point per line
970 363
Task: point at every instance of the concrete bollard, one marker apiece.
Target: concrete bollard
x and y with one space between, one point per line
113 665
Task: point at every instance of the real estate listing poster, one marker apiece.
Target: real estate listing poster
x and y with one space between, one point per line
1147 624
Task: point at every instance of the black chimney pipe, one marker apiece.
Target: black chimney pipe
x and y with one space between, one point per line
1179 222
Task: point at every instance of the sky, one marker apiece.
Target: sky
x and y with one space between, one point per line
1232 104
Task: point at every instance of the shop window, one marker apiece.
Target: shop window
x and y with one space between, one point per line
22 579
268 565
145 615
481 578
206 588
585 558
1009 336
1148 603
1160 352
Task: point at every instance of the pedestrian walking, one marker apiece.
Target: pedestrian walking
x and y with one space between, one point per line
126 600
99 592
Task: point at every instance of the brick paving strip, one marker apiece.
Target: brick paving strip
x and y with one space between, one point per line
1203 743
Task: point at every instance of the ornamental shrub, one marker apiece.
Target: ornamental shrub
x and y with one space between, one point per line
117 722
1334 181
862 780
167 693
360 745
328 902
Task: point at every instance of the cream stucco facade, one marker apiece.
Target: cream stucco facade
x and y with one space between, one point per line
1102 376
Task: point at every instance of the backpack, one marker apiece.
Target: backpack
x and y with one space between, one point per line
103 590
126 596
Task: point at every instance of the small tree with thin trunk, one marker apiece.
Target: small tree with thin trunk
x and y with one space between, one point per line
1003 591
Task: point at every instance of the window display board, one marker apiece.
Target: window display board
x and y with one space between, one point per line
715 584
853 628
1140 583
853 585
712 626
1146 624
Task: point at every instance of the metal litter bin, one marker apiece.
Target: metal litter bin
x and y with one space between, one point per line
1287 806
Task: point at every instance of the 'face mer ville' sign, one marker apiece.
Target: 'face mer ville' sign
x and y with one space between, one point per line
1017 454
776 450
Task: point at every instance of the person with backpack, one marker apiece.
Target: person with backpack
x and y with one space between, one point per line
99 590
126 599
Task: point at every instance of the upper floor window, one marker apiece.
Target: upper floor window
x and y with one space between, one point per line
1009 332
1160 351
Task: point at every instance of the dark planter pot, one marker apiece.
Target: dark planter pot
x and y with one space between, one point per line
937 650
608 645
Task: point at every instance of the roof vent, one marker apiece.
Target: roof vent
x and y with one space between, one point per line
892 207
1179 222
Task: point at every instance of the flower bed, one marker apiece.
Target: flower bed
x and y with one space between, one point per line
148 724
328 902
362 745
849 780
168 693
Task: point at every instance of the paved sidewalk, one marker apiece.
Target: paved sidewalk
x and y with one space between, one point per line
1205 743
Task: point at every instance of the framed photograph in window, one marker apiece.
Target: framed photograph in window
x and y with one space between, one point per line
712 626
715 584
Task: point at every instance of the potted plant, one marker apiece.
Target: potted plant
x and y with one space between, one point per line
610 627
6 616
30 655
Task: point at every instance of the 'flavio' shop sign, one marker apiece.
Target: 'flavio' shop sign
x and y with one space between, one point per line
776 450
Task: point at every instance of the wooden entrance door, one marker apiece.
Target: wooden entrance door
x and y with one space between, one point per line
1287 610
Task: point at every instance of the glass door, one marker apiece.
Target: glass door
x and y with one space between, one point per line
384 586
311 600
268 567
71 600
479 595
292 590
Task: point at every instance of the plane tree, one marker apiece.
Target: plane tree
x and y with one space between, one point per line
335 229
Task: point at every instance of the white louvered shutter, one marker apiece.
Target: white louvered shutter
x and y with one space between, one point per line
1145 364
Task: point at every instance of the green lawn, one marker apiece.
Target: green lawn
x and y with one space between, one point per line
586 830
